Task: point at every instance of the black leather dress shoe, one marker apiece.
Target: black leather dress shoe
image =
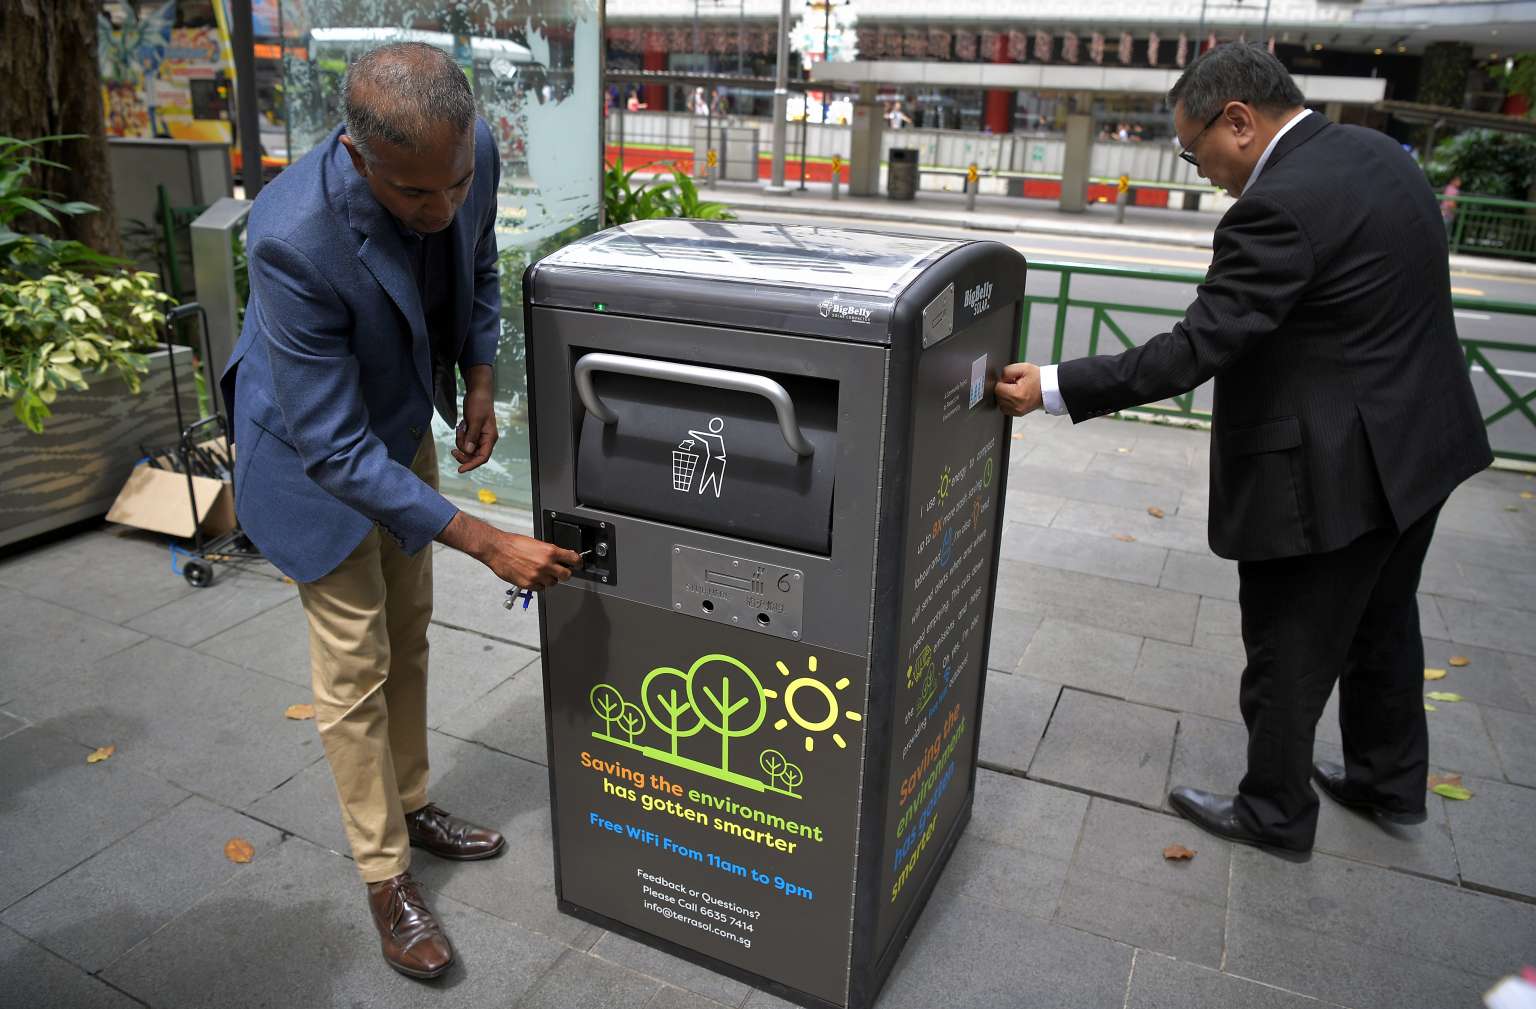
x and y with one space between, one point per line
1215 814
1330 777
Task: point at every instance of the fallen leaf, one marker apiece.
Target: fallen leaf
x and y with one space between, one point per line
300 712
1526 495
1441 695
1451 792
486 495
1177 853
238 849
1125 537
1511 508
1018 436
1430 707
288 580
1434 674
1436 780
1155 512
101 753
1460 660
1123 451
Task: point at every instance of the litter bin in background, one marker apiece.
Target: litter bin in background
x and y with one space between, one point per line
901 173
779 449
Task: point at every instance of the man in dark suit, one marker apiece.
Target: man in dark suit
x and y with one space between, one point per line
1343 419
373 279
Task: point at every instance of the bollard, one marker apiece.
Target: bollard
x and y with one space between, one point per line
837 177
972 178
1122 197
712 161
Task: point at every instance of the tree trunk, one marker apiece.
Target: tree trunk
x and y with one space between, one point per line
52 79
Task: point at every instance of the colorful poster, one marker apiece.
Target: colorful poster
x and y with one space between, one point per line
163 81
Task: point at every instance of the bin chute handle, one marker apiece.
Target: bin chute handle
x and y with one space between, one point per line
716 378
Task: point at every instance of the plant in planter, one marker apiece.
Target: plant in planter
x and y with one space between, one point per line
66 311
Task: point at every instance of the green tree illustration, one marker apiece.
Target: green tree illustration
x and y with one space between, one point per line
792 777
719 687
666 689
782 774
631 720
608 703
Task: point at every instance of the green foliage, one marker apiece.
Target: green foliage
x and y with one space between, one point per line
54 328
1490 163
1520 79
625 201
66 311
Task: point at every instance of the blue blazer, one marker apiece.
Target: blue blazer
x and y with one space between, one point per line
330 383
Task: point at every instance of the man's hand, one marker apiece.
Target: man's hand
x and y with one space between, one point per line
525 562
476 435
1018 391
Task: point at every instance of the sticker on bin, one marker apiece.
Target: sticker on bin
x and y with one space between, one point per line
978 379
701 455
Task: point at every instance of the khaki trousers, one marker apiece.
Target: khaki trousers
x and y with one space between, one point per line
368 666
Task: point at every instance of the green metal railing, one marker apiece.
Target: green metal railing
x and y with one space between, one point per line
1104 318
1485 226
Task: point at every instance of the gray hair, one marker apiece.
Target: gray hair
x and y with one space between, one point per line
401 93
1237 71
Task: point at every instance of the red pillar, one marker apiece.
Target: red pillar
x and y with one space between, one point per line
997 112
656 94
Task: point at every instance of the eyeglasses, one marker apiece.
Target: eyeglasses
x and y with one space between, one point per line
1184 154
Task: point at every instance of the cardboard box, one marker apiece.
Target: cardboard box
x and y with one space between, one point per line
157 500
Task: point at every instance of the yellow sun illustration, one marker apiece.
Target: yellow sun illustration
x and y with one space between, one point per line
812 685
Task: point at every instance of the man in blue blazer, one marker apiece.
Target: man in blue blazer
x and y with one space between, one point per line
373 276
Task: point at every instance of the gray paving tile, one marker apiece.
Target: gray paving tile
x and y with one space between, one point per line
510 718
1010 878
154 701
1493 837
275 642
757 1000
1209 754
1016 711
1060 454
1362 906
36 979
1426 849
968 955
232 599
42 640
1219 628
1106 603
1493 679
106 905
1027 814
56 810
326 950
1094 487
1196 503
1108 747
1203 574
665 967
1160 982
1012 631
578 979
470 597
465 668
1431 623
1134 468
1501 627
519 885
305 805
1514 736
1080 656
1361 976
1187 679
1121 887
1459 741
1030 508
668 997
112 574
1089 553
1170 532
1451 547
10 723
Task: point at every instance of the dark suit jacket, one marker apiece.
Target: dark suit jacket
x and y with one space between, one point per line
1343 402
331 382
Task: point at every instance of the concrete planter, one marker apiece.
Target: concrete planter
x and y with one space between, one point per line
74 469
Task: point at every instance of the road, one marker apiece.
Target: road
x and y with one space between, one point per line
1513 433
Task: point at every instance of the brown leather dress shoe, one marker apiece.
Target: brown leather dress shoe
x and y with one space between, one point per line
412 940
447 836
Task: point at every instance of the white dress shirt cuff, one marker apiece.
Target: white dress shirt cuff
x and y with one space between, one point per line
1050 392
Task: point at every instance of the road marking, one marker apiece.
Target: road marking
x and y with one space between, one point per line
1508 372
1471 315
1470 292
1182 264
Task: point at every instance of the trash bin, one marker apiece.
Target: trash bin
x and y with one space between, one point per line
901 173
779 450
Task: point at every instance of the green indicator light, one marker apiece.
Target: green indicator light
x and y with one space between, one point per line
600 306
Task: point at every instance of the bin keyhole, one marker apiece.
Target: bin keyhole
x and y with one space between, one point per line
709 607
762 618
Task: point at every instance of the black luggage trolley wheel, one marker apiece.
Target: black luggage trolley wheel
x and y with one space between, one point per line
198 573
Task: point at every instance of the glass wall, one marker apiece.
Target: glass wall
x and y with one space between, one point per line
535 66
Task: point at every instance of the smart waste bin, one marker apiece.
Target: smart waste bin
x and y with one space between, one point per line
779 450
901 173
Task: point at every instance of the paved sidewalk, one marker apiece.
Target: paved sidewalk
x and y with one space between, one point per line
1114 672
1162 226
